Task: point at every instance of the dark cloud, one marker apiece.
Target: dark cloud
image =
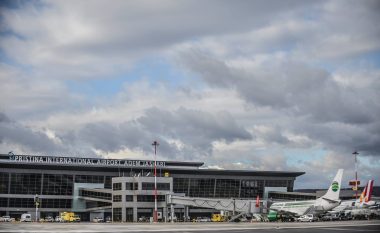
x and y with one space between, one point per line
182 134
314 103
25 138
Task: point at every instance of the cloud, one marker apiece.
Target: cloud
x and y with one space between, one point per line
249 82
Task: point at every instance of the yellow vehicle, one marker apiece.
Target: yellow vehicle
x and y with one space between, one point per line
217 218
69 217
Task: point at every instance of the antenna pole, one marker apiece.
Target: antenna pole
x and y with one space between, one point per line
155 144
356 174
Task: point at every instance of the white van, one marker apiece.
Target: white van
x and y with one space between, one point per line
26 218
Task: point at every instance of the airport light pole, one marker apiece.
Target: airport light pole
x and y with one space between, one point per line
356 174
155 144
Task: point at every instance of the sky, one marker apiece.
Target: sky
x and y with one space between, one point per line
257 85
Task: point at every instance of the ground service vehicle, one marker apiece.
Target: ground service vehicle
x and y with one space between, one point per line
217 218
69 217
26 218
49 219
272 216
6 219
98 219
308 218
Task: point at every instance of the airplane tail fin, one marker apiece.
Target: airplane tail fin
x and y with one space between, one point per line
369 189
363 194
334 190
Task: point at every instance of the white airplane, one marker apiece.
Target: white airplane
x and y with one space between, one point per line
325 203
364 201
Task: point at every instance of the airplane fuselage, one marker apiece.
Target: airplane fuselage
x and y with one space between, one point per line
299 208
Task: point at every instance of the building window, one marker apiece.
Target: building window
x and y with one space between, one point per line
147 186
57 184
116 198
3 202
89 179
25 183
4 181
116 186
150 186
99 195
21 202
56 203
202 187
131 186
108 182
181 185
129 198
251 188
150 198
129 214
163 186
228 188
116 214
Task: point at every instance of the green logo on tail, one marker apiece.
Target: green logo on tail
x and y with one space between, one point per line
335 186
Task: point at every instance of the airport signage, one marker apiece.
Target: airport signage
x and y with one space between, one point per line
84 161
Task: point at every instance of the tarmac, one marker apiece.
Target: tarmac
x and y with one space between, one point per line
257 227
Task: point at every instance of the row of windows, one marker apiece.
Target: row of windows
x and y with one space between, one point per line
4 180
131 186
150 198
150 186
100 195
29 203
144 186
57 184
53 184
226 188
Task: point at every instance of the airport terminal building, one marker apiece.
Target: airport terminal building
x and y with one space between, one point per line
122 190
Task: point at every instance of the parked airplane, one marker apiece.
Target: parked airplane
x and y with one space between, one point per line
363 201
325 203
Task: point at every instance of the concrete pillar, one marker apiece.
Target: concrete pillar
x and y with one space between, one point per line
123 214
135 214
165 213
186 213
172 213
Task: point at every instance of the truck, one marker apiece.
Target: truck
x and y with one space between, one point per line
69 217
26 217
217 218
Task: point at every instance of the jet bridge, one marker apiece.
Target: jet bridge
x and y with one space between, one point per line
233 205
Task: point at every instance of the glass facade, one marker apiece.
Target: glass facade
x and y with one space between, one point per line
25 183
150 198
202 187
150 186
89 179
21 202
99 195
251 188
227 188
3 202
4 182
129 214
56 203
57 184
181 185
116 214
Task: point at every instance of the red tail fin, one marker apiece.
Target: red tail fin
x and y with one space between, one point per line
258 201
369 188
